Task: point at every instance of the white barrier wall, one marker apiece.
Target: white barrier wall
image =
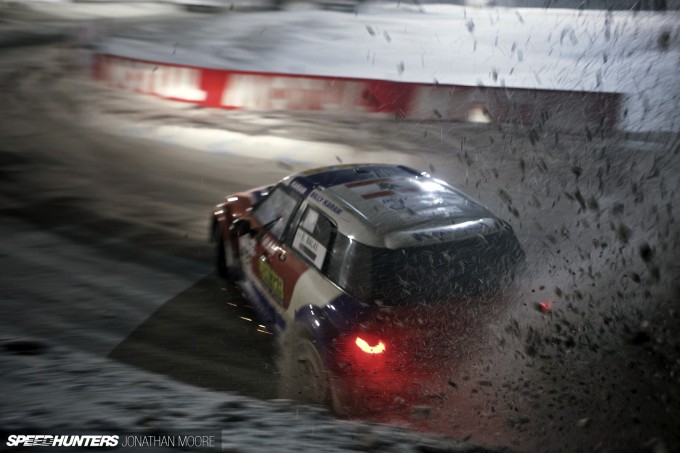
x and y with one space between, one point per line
562 110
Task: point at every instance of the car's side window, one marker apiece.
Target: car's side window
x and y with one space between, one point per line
313 236
275 211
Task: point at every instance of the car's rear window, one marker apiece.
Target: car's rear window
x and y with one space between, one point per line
423 274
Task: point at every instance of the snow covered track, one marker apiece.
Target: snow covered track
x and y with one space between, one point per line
104 196
86 193
40 397
561 110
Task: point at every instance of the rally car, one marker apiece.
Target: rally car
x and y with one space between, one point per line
367 272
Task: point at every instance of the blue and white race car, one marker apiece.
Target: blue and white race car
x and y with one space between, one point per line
368 272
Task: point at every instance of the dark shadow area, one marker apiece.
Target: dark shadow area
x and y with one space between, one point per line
203 337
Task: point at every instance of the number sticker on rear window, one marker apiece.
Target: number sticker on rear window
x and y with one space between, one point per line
310 247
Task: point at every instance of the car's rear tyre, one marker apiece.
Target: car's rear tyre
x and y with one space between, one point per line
304 376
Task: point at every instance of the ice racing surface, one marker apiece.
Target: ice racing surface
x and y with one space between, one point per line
112 318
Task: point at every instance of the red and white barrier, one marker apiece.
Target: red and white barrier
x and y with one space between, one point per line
563 110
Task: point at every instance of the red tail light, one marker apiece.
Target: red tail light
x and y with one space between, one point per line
368 349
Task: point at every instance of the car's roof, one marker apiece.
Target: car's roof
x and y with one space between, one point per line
392 206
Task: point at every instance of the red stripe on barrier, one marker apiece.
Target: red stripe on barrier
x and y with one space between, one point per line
564 110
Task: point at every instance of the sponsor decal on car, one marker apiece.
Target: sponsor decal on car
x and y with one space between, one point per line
299 188
271 280
332 207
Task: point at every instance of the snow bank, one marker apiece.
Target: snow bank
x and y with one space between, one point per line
631 53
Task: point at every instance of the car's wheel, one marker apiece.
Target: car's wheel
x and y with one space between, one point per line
303 373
